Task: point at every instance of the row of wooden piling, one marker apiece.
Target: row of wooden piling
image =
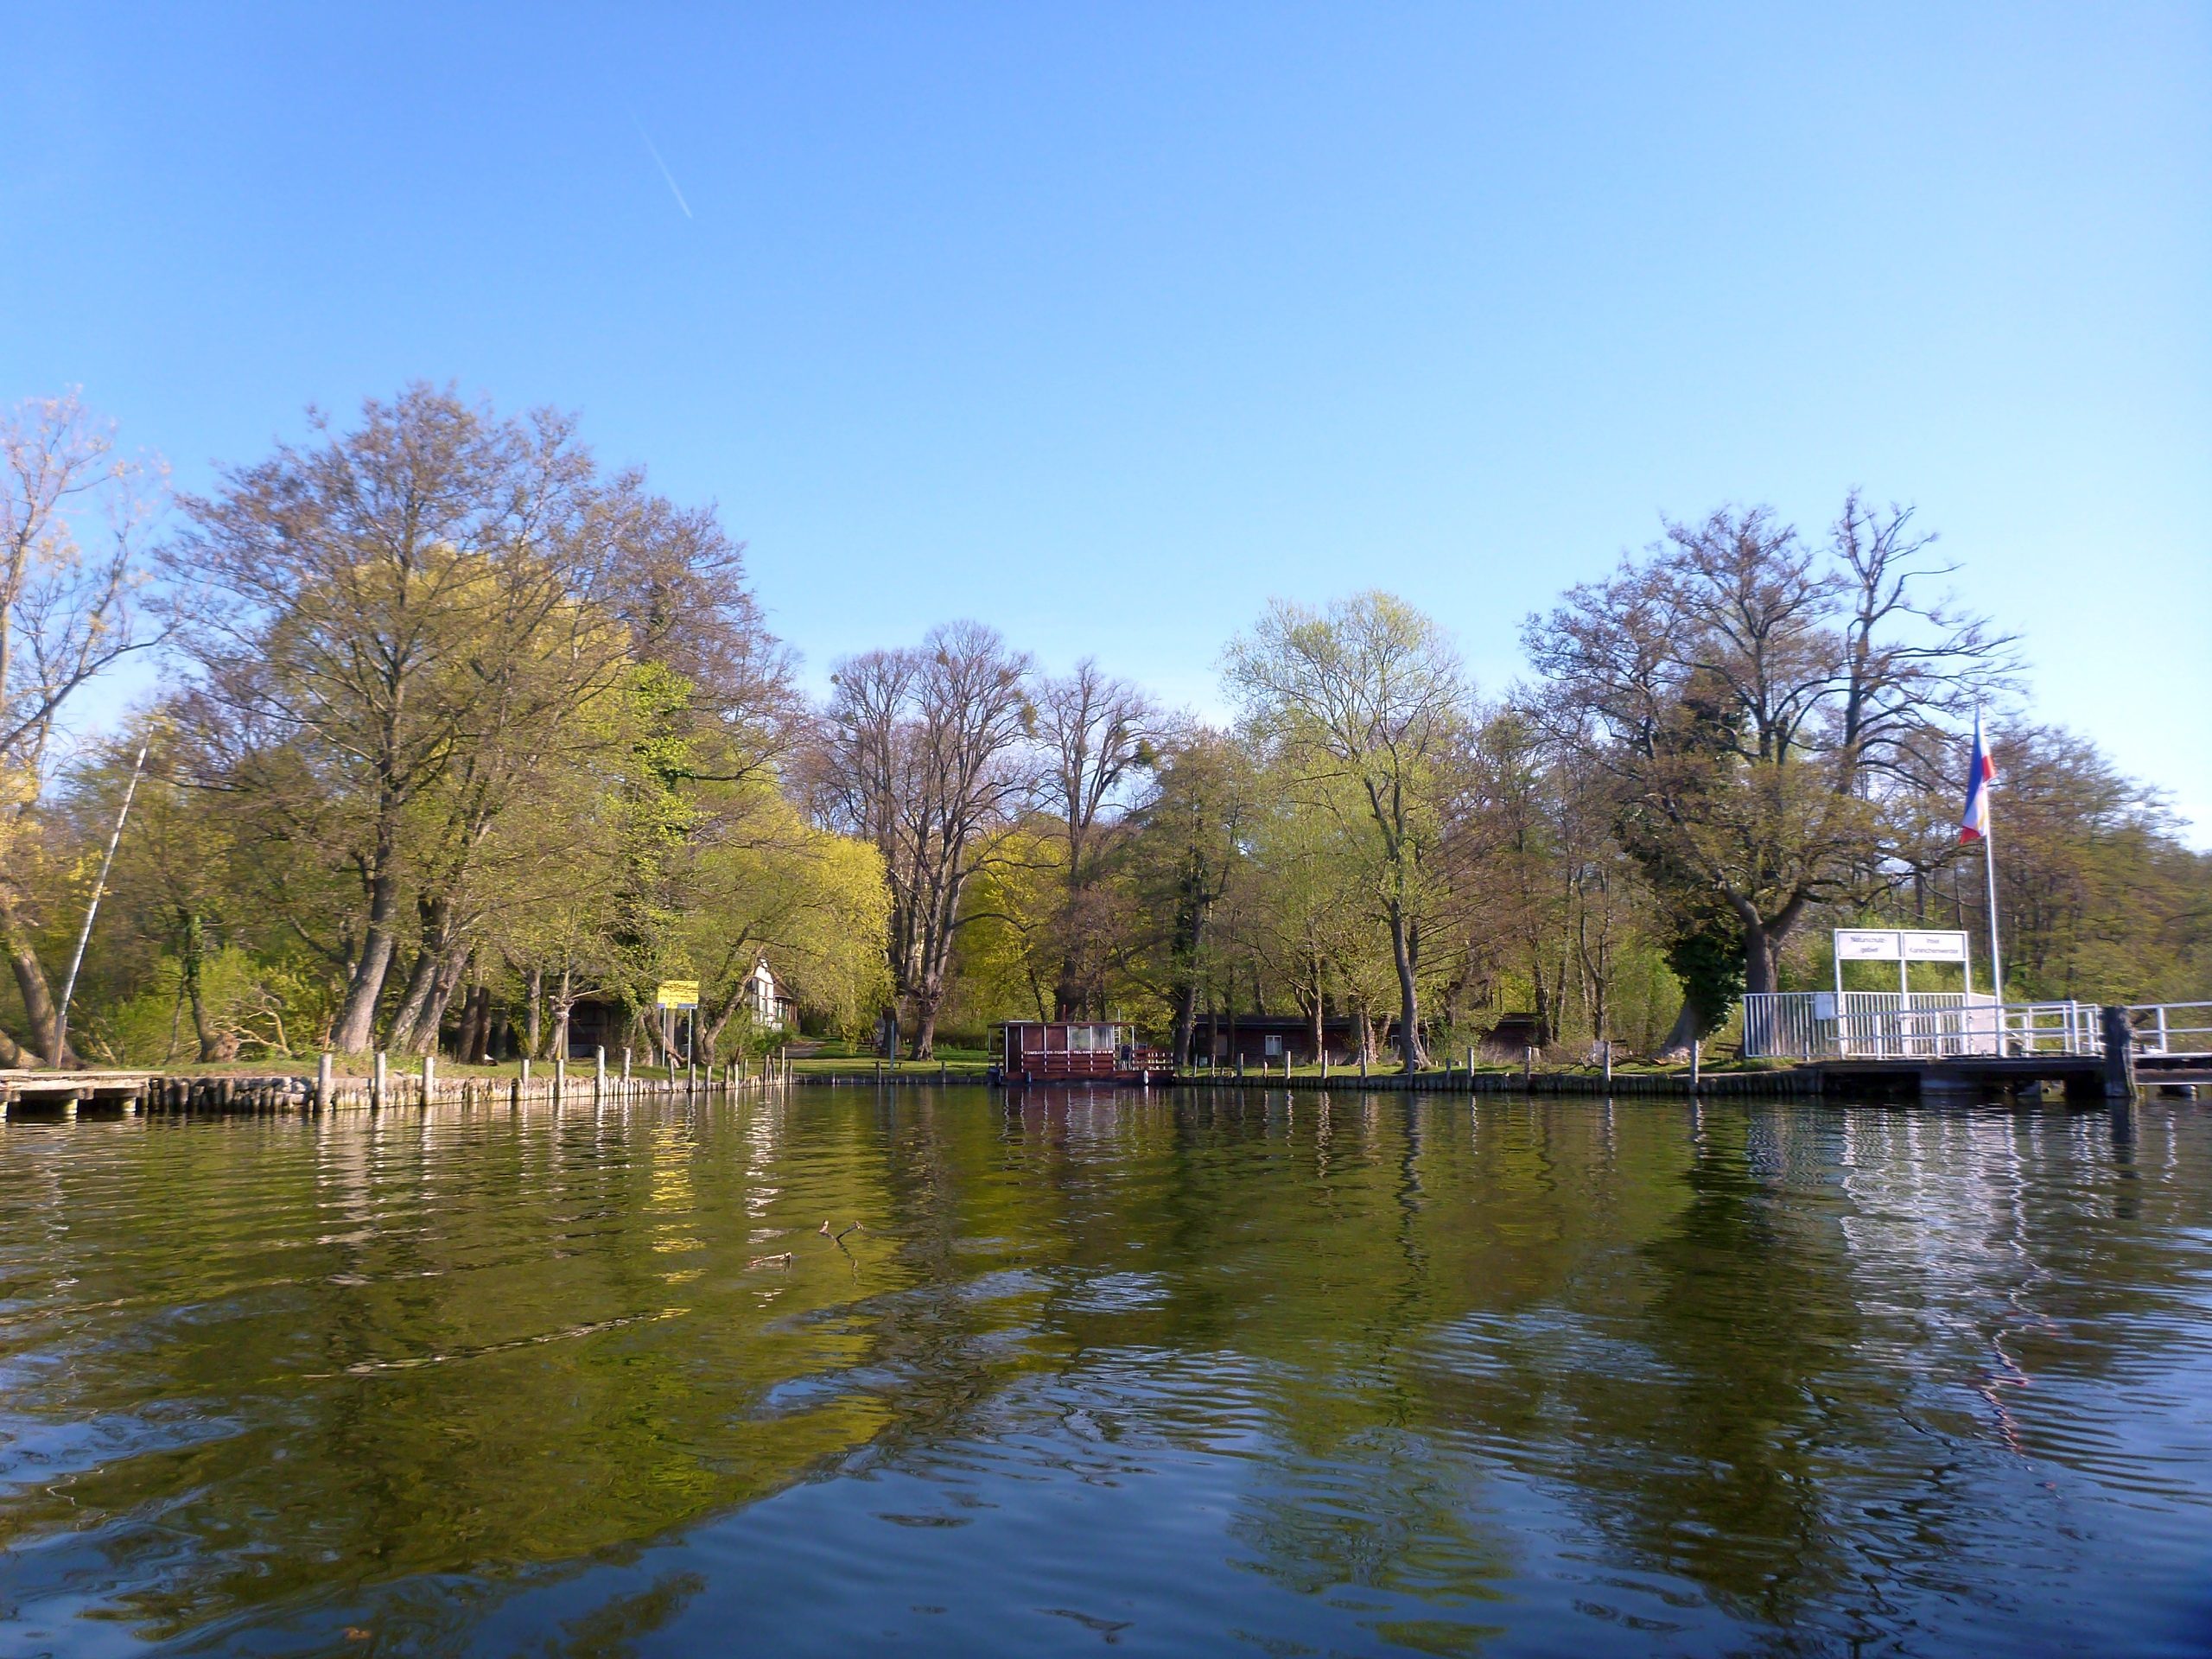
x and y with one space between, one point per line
1781 1084
385 1089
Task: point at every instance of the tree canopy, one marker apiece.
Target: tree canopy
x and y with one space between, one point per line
465 736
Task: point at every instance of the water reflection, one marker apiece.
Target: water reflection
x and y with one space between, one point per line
1301 1373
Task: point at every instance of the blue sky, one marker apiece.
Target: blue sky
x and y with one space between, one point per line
1105 323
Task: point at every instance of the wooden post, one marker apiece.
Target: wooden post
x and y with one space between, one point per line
626 1065
1697 1046
322 1082
2119 1055
1362 1065
429 1078
599 1072
560 1074
1608 1046
522 1084
1529 1066
376 1083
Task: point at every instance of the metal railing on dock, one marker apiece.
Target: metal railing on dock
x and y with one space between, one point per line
2165 1028
1821 1025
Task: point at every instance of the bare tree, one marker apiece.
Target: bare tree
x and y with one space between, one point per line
1096 732
926 754
679 588
1757 702
75 517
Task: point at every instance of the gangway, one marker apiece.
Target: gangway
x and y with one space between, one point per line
1950 1041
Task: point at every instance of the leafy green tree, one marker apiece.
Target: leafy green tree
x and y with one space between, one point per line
1189 850
1370 695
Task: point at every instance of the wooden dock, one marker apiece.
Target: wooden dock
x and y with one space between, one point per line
68 1093
66 1090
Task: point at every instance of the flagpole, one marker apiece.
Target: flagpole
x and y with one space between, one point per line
1996 956
1989 862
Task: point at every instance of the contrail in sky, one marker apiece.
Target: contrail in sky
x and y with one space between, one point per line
653 150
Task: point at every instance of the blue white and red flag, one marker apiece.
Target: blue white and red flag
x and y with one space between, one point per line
1981 773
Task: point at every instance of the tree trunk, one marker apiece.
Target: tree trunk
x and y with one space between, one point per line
1689 1025
925 1004
357 1018
475 1025
1067 989
1410 1046
1544 1010
443 984
38 1000
405 1035
563 1000
215 1046
1763 941
1186 1020
1762 952
536 994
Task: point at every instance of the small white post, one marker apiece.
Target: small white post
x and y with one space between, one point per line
599 1071
1607 1044
377 1081
322 1082
430 1078
560 1074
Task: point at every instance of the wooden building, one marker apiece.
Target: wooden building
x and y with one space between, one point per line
1261 1040
1027 1052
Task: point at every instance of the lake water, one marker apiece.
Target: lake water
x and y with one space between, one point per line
1275 1374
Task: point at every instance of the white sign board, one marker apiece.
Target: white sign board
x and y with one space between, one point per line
1898 944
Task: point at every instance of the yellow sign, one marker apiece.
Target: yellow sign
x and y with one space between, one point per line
677 994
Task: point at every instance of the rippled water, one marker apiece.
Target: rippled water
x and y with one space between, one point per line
1279 1374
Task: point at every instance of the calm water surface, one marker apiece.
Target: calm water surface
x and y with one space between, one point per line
1280 1374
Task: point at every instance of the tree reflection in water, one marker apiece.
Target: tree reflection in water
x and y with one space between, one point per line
1298 1372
